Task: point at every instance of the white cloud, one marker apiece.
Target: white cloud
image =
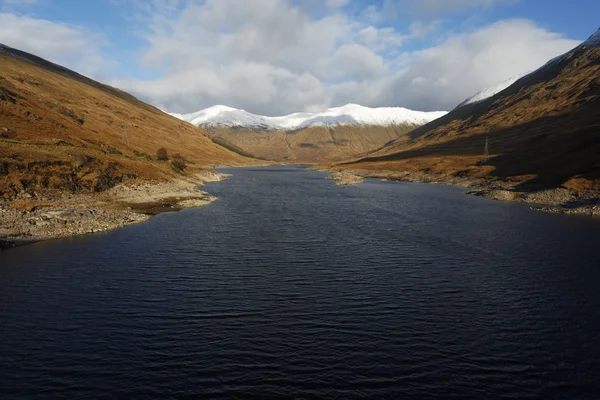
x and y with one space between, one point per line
268 56
419 29
271 57
279 56
72 46
441 76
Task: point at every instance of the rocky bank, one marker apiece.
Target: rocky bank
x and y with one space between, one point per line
28 219
556 200
345 178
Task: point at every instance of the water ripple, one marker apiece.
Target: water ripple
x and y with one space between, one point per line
289 287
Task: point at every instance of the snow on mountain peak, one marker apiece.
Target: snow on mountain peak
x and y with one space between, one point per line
490 91
594 40
349 114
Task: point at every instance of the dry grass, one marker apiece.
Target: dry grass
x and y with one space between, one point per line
311 145
60 131
543 131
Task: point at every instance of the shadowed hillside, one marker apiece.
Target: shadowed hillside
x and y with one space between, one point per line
544 130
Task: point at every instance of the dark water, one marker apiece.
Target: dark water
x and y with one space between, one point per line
290 287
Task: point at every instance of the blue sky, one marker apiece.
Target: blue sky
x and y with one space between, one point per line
280 56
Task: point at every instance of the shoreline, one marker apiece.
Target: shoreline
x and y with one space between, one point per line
557 200
26 220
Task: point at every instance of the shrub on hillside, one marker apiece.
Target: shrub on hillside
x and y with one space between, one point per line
161 154
178 162
79 160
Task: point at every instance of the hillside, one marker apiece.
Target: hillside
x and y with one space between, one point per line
332 135
310 145
78 156
60 130
543 131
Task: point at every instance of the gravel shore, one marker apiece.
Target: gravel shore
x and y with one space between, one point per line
555 200
25 220
345 178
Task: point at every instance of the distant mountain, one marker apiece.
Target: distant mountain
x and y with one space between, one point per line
334 134
350 114
543 130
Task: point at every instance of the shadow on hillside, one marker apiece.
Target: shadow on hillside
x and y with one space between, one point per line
553 148
545 74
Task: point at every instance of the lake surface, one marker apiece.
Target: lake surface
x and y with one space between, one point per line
291 287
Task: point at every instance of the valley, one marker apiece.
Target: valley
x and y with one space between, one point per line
71 146
233 199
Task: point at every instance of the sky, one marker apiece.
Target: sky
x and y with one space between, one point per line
274 57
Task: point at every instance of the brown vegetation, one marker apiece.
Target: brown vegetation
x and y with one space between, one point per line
311 145
62 132
543 131
178 162
162 154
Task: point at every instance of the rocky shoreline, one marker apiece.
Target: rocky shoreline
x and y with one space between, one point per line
345 178
28 220
555 200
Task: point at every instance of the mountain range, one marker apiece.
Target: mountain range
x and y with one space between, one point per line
350 114
334 134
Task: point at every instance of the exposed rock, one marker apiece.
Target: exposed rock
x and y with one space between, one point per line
495 194
345 178
29 220
556 200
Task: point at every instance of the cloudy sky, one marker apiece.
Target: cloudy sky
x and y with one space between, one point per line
275 57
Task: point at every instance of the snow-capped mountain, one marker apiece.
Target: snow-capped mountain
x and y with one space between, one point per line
593 41
350 114
490 91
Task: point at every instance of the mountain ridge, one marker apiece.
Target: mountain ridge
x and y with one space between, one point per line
542 133
349 114
52 118
491 91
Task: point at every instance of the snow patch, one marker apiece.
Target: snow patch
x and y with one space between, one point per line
491 91
594 40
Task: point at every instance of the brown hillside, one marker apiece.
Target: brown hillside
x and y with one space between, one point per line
544 129
60 130
311 145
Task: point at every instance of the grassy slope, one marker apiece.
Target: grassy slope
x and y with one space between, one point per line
545 129
314 144
60 130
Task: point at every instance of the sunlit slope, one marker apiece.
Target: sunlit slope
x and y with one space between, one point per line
315 144
60 130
